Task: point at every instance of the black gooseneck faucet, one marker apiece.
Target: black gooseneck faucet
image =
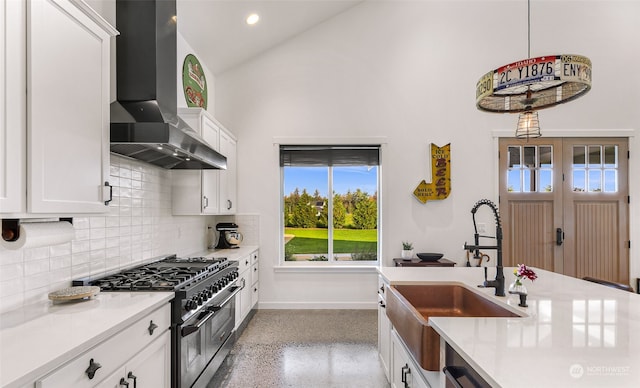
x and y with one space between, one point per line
498 283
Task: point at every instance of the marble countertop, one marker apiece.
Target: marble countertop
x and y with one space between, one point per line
574 333
37 338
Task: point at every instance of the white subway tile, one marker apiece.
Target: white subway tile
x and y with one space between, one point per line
34 267
81 223
97 222
60 250
11 271
36 253
98 233
60 262
80 246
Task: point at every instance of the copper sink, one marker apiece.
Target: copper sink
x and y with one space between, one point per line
410 306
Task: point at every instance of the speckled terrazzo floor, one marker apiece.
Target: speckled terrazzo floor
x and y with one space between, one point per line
305 349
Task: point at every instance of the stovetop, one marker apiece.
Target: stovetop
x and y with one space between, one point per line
166 274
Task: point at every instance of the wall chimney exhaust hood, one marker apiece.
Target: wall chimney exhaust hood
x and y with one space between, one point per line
144 120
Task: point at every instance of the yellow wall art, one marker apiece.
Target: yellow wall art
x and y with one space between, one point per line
440 185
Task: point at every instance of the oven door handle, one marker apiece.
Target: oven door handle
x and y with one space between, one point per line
190 329
236 289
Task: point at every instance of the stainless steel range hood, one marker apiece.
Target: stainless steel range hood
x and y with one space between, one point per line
144 120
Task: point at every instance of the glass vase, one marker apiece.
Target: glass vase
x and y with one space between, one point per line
517 287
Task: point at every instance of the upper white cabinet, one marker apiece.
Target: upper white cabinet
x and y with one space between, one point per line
206 191
12 106
228 147
66 121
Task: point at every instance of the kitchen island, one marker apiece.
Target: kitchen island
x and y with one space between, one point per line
573 333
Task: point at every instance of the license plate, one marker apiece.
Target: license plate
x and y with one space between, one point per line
526 71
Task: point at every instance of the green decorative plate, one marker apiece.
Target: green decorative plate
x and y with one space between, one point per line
194 82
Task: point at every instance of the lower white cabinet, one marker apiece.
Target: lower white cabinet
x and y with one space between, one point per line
139 355
248 297
384 329
149 368
254 278
404 373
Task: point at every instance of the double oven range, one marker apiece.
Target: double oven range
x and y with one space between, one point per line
202 311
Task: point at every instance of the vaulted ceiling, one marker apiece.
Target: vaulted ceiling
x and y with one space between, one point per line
217 31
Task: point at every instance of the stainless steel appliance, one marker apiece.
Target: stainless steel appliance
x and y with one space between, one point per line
229 237
203 310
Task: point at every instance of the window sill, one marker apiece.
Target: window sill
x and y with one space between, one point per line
373 268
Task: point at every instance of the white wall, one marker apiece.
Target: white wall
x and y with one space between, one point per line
407 71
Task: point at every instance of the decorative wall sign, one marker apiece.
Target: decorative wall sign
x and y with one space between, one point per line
194 82
440 185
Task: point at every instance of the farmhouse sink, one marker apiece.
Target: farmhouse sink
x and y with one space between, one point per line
410 306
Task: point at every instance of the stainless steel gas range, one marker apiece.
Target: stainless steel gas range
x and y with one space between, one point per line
203 310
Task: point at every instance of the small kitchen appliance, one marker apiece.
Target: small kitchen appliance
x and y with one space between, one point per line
229 237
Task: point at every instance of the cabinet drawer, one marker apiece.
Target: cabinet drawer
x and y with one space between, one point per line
254 273
244 263
254 257
110 354
255 290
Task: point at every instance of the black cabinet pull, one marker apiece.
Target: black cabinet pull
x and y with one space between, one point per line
382 304
106 203
124 382
91 370
229 204
152 327
405 372
382 289
132 377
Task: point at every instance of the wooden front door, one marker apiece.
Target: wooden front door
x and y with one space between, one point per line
564 205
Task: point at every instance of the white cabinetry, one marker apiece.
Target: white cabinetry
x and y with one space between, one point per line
12 106
254 278
68 67
140 355
196 192
384 328
248 296
54 106
228 145
206 191
404 373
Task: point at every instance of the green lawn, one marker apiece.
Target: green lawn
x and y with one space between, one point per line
314 240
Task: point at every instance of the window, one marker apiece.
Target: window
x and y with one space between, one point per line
330 203
530 169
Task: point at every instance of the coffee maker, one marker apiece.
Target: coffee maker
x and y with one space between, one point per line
228 235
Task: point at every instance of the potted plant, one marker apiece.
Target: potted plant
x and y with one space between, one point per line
407 250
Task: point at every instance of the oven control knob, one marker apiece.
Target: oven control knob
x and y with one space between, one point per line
190 305
209 293
199 299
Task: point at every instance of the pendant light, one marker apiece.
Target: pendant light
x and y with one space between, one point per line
531 84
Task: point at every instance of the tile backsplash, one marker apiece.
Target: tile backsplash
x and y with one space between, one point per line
138 227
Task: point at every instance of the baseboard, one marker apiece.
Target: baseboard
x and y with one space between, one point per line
317 305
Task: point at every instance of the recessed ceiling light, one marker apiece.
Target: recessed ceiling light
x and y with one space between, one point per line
253 19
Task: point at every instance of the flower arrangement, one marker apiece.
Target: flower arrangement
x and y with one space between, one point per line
522 272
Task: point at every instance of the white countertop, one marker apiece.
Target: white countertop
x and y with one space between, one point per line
574 334
37 338
231 254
